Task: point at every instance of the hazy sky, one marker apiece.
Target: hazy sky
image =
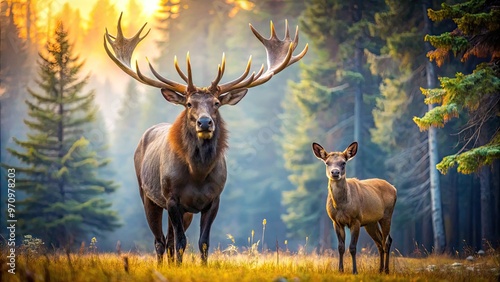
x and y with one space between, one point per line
86 6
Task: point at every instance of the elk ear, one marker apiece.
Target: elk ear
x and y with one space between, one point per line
351 151
173 97
232 97
319 152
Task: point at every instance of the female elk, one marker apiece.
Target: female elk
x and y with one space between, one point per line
355 203
181 167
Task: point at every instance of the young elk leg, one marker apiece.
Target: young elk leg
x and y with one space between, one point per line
388 244
352 246
341 244
154 214
385 225
207 218
374 231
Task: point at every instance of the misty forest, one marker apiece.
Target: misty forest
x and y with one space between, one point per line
415 83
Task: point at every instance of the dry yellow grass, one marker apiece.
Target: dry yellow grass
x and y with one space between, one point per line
243 267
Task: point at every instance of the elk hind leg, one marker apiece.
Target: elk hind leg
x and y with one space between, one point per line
376 234
154 214
385 225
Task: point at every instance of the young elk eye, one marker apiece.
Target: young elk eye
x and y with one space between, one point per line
217 104
342 164
189 105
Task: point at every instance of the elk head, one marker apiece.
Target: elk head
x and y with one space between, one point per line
202 103
335 161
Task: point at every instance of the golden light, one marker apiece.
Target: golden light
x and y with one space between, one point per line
150 6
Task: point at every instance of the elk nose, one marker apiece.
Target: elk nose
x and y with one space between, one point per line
204 123
335 172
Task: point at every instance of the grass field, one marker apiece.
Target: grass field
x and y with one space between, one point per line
247 267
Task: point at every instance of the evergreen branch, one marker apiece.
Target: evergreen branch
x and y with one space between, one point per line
437 117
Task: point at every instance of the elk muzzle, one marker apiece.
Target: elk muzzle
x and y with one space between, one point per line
205 127
335 173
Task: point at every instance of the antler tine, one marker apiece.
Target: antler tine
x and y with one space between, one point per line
189 78
151 82
179 71
226 87
178 87
190 86
273 31
279 56
287 32
220 72
123 49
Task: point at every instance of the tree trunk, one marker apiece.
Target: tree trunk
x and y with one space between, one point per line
485 190
436 206
496 203
358 95
454 210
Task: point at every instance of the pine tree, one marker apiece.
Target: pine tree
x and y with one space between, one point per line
15 71
474 95
64 193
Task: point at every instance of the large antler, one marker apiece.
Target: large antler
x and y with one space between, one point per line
123 49
279 56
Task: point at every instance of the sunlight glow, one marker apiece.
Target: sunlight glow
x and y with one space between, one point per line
150 6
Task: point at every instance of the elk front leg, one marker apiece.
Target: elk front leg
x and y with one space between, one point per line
176 217
352 246
339 230
186 220
207 218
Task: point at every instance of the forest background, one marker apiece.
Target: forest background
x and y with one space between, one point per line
361 80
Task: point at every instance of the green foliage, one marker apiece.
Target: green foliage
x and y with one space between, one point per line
60 177
437 116
475 95
478 23
448 41
468 162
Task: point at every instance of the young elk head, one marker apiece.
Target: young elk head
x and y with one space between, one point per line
335 161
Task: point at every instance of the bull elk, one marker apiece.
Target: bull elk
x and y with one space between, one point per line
181 166
355 203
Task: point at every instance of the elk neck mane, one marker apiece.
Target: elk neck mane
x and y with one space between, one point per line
197 153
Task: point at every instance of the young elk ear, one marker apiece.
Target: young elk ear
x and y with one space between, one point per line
232 97
351 151
173 97
319 152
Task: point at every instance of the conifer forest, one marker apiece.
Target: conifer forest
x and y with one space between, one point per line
415 83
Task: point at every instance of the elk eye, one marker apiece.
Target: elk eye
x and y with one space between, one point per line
217 104
189 105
